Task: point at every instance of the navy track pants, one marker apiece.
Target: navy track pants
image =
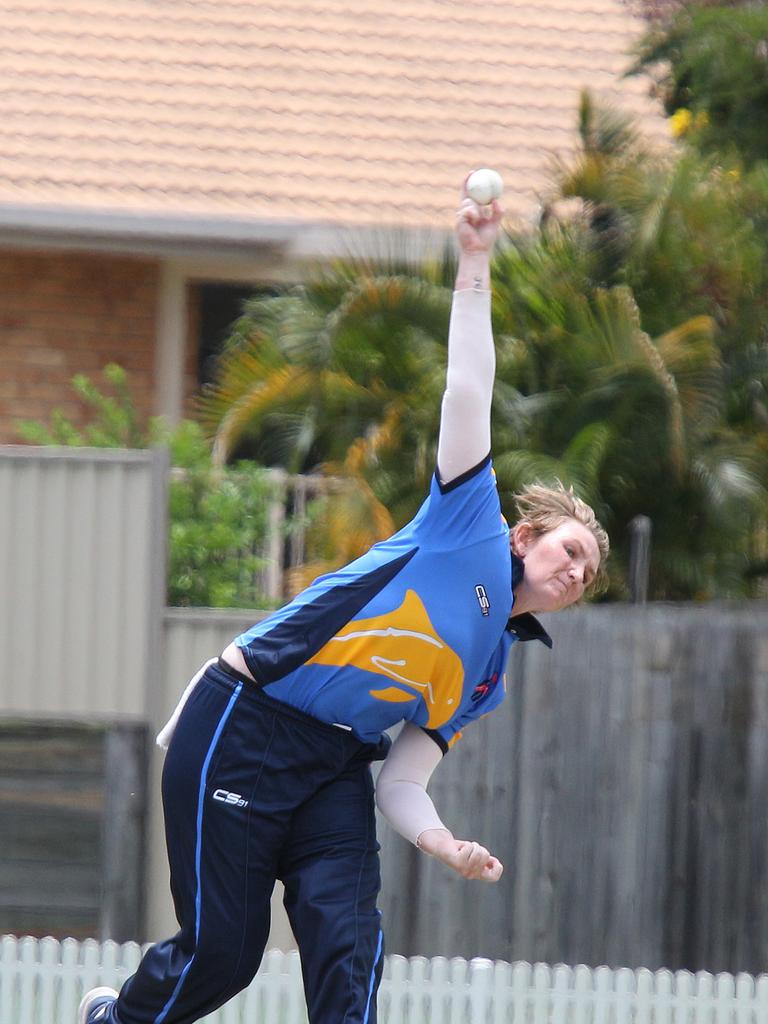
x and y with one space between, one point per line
254 790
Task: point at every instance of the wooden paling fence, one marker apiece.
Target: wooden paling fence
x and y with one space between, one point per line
42 981
623 784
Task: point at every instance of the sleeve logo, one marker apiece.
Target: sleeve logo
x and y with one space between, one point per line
483 689
482 599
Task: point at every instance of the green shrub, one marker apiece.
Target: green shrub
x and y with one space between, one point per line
218 526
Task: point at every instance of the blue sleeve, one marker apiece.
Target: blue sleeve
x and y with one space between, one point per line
462 512
446 735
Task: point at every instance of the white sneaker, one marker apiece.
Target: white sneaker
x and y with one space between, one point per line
95 1005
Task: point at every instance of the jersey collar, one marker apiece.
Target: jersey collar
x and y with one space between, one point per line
525 626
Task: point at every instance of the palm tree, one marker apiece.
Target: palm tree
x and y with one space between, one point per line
643 425
341 375
618 340
636 424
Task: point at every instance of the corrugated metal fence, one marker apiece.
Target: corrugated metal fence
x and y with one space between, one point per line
82 536
42 981
84 631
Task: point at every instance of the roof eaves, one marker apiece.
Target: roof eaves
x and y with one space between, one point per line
141 233
176 236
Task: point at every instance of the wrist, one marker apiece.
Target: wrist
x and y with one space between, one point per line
474 271
430 840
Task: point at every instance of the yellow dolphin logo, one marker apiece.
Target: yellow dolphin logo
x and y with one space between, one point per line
404 646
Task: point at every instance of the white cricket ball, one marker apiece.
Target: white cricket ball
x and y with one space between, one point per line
484 186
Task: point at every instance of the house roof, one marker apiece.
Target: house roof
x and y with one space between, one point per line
295 112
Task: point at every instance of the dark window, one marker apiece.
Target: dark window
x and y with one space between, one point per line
221 305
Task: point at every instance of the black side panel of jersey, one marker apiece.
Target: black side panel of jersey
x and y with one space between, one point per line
435 735
466 475
296 639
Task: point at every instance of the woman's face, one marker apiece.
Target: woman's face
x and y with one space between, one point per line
559 564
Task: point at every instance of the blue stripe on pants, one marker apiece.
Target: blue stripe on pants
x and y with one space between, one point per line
198 847
372 983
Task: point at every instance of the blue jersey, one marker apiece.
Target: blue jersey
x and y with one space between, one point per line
415 629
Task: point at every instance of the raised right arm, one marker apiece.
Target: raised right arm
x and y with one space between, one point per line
465 421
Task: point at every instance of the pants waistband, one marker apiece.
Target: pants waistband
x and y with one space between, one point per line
256 689
378 750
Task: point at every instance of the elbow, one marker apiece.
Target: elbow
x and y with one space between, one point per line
393 791
468 393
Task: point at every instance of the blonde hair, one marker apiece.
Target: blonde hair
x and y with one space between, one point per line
545 508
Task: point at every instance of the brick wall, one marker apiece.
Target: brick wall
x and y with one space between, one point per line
66 313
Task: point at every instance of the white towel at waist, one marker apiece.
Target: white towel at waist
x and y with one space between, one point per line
166 733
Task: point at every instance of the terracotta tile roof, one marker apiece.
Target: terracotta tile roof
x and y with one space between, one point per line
324 111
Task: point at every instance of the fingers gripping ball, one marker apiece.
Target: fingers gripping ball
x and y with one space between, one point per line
484 186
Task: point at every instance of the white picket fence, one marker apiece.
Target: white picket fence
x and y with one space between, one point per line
42 981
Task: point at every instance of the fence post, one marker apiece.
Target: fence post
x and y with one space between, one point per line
273 574
639 558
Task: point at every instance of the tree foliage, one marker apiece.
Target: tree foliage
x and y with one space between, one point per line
630 362
344 372
711 61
